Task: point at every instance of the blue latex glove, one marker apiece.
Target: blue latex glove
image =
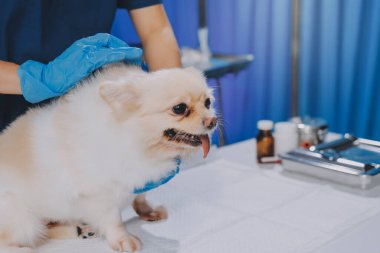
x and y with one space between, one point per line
42 81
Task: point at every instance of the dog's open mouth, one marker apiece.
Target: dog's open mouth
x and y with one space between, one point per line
189 139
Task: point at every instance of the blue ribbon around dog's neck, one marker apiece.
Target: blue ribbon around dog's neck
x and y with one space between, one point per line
154 184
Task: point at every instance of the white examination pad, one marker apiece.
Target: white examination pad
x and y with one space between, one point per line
227 207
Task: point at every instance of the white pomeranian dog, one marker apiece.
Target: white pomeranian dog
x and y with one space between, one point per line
80 158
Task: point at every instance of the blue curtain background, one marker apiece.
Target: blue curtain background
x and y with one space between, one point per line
339 67
340 64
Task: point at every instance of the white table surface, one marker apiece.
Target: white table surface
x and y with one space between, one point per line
360 239
212 210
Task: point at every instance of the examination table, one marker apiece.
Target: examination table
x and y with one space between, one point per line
229 204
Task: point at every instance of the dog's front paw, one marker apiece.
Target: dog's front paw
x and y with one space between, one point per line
127 243
156 214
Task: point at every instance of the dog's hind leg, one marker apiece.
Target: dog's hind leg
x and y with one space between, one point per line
146 212
70 231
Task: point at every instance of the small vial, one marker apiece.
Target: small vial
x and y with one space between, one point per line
286 137
264 141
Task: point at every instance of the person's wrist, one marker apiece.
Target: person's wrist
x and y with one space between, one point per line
32 84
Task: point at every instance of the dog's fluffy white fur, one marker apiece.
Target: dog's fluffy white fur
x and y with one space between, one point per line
79 158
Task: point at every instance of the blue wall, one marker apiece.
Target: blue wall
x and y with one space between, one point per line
339 65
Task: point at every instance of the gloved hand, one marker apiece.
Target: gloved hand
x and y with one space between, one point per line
39 81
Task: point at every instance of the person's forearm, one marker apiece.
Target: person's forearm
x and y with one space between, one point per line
9 80
159 43
161 50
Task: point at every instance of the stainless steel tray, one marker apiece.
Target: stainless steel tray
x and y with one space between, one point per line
350 161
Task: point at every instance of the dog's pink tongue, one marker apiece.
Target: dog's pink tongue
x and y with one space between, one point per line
205 144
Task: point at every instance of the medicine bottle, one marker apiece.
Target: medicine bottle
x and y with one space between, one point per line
264 140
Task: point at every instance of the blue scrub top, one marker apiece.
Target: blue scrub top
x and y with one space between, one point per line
41 30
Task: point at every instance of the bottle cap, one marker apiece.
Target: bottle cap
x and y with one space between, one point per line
265 124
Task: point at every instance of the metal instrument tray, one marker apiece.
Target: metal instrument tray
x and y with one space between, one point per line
350 161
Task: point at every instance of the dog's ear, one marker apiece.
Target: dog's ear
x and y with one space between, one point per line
122 98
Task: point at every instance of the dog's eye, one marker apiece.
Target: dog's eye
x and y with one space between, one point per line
207 103
180 109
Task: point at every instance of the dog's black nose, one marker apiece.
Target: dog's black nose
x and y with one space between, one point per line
210 123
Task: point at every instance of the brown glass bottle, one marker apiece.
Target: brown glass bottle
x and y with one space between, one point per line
264 140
